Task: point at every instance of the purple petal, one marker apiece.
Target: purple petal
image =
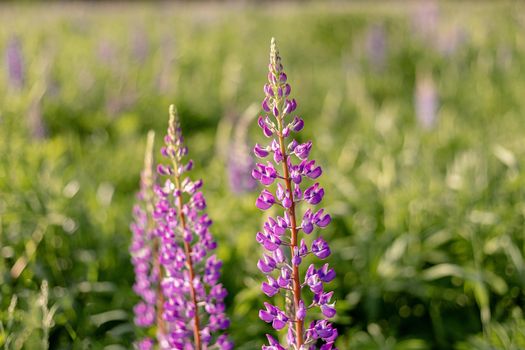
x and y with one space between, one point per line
266 316
278 324
259 203
301 311
263 266
324 221
298 124
265 105
269 290
259 151
328 311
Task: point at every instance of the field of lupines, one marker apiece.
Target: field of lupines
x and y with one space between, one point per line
417 119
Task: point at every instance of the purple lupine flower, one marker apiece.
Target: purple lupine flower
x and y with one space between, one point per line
286 172
426 102
193 309
143 250
15 64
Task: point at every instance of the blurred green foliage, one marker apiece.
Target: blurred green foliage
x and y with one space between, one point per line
429 215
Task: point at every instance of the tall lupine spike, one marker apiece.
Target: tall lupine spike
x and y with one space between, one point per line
143 252
194 299
290 192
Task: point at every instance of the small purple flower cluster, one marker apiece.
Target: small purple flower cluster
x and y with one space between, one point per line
282 272
143 249
240 161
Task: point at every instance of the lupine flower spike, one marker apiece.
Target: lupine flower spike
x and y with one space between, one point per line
143 251
292 172
193 311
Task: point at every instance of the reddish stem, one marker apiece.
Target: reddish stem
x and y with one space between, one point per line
189 264
296 283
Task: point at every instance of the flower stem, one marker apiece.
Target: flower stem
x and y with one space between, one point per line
296 283
189 264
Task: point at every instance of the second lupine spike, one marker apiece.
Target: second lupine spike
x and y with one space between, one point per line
193 310
143 252
283 232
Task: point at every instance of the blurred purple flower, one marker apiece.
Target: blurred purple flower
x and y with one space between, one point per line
239 166
15 64
451 40
106 52
375 46
240 161
145 344
283 232
426 102
425 20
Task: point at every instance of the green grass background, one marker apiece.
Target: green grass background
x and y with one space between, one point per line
428 232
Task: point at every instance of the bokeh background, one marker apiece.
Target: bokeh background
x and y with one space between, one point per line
416 111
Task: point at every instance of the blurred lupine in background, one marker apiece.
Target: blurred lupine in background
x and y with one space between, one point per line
140 44
425 20
375 46
166 75
428 28
144 252
240 161
106 52
451 39
282 233
14 60
425 101
193 311
232 132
